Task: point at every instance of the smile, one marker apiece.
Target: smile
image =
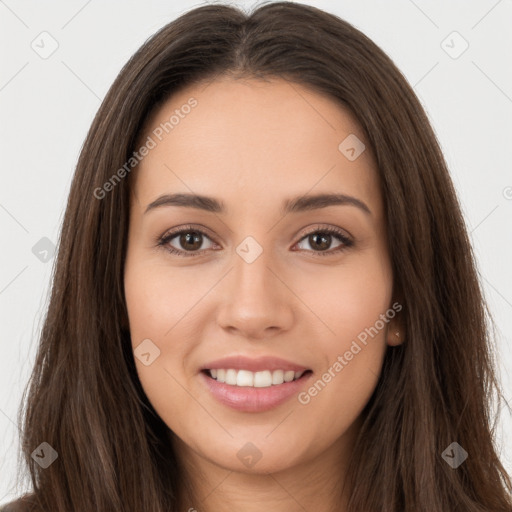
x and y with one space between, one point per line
259 396
247 378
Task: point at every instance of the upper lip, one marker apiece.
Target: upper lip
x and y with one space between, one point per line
253 364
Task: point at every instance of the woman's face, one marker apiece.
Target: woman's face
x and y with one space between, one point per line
262 274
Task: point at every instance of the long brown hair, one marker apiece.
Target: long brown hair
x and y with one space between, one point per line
84 398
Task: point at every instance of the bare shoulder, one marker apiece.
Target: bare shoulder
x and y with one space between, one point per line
23 504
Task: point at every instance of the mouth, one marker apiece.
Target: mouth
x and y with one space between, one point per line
253 392
250 379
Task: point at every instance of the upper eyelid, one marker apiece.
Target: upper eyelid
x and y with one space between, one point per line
205 231
169 235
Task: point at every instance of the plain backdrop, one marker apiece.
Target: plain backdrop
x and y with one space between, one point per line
457 55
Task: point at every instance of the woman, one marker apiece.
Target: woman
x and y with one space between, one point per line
265 296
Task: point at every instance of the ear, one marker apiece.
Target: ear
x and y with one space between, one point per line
395 334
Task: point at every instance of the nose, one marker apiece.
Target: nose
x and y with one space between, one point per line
256 301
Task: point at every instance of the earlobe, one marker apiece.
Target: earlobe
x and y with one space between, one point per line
395 334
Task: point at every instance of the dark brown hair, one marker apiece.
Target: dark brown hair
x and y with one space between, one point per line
84 397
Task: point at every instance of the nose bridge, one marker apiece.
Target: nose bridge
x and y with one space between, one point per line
251 274
256 299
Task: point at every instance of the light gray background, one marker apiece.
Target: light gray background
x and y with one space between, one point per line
47 105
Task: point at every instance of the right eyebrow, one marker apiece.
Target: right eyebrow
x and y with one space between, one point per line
206 203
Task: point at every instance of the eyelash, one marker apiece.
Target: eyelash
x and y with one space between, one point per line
164 240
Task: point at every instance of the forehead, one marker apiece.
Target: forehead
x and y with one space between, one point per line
254 140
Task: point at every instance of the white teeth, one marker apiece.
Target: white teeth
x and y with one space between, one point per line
231 377
262 379
277 377
289 376
244 378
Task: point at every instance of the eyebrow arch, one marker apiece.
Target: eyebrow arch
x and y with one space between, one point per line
313 202
292 205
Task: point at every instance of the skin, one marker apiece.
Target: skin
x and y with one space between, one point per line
252 144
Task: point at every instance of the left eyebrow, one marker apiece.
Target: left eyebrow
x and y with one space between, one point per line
314 202
292 205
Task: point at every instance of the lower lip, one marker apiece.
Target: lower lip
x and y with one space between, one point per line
249 399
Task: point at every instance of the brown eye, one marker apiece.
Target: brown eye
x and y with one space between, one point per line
320 242
185 242
191 240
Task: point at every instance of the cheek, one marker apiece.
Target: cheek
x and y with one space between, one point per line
347 299
352 305
159 327
155 297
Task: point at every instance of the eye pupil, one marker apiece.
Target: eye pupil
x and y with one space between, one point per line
189 240
323 244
